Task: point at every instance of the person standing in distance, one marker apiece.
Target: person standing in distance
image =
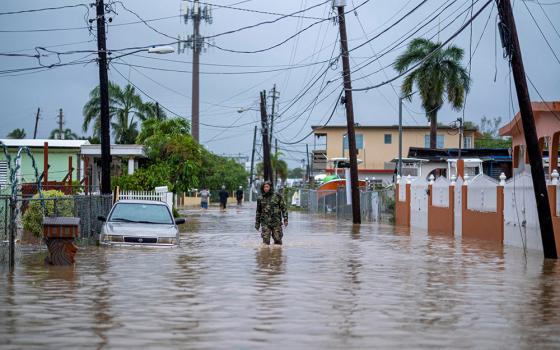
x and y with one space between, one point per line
223 197
271 213
239 195
204 198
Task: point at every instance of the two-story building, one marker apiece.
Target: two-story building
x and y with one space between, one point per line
377 145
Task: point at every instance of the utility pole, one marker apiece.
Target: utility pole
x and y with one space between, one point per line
196 13
510 42
104 100
356 215
36 122
277 159
460 121
275 95
308 170
60 124
267 165
252 165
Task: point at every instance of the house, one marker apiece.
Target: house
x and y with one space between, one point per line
377 145
91 161
437 161
60 153
547 123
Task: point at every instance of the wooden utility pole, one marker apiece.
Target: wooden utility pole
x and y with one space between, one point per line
308 170
36 122
356 215
267 164
510 41
273 111
252 165
104 100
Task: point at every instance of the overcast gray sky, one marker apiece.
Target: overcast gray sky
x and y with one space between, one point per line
233 80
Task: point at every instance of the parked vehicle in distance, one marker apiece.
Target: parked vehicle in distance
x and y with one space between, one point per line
140 222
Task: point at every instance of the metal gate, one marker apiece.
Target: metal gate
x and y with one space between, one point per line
419 204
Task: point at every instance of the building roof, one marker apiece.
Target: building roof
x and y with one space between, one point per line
497 154
116 150
514 126
41 142
386 127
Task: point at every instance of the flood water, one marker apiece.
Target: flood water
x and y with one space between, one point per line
329 287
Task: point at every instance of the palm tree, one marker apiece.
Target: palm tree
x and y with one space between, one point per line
279 167
153 110
17 134
67 134
124 107
439 72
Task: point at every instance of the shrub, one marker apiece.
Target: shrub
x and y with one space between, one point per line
33 217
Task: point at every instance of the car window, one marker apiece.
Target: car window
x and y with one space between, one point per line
144 213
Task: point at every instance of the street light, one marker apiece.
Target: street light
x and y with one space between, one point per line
104 97
246 109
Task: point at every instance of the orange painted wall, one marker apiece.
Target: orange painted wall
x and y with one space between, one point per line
555 219
402 209
441 220
485 226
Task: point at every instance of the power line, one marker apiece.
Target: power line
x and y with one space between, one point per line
263 12
542 33
430 54
44 9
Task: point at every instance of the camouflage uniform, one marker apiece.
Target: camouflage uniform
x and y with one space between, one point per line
271 210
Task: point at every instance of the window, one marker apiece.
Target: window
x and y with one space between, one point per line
141 213
439 143
359 141
388 139
3 174
467 142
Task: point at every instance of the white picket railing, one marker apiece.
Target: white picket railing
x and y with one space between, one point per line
440 192
166 197
481 194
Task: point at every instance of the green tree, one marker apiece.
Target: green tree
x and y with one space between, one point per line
296 173
126 109
279 167
17 134
440 72
67 134
153 110
489 128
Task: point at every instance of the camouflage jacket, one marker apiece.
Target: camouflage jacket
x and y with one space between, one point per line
271 210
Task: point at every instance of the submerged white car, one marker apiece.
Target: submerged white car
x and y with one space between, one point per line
140 222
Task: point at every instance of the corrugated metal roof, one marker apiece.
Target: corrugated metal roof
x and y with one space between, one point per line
41 142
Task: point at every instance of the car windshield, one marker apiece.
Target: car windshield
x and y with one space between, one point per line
141 213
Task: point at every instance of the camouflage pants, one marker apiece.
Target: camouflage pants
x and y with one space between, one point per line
274 231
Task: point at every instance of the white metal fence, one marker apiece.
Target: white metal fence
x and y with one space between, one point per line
481 194
521 223
419 204
458 207
440 192
166 197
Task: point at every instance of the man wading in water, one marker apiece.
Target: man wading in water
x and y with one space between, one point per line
271 211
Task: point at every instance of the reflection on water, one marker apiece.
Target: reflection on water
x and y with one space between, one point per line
331 285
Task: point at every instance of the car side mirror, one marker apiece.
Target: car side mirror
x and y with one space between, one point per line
101 218
180 221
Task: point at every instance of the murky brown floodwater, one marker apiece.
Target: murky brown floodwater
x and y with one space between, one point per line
329 287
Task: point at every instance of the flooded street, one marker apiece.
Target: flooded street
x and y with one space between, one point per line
328 287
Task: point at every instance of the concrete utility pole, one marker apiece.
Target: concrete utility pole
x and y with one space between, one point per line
510 42
60 124
252 165
275 95
267 164
36 122
356 215
104 99
196 13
